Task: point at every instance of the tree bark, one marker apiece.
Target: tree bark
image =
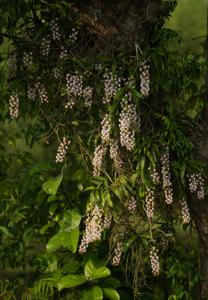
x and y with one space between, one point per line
125 23
121 24
199 210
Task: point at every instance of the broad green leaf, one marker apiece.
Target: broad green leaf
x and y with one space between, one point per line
51 186
57 276
111 294
52 198
68 239
72 218
41 196
93 271
44 228
71 239
39 167
28 235
52 263
52 209
71 267
5 231
55 242
95 293
71 281
111 282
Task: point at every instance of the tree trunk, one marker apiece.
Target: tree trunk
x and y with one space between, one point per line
199 210
125 21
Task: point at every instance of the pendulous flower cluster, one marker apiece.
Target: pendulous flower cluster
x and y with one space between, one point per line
107 220
74 85
149 203
167 184
132 205
154 260
62 150
97 161
144 79
185 212
14 106
74 88
63 54
43 95
96 223
117 254
87 95
74 35
114 153
196 185
154 174
112 84
106 128
129 82
56 72
45 46
55 30
31 92
27 59
127 122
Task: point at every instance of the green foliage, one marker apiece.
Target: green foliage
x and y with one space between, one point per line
111 294
68 236
70 281
51 186
5 293
92 271
94 293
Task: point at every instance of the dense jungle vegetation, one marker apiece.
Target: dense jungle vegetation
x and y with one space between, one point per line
103 150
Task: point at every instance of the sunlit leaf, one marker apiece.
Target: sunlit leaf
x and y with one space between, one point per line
71 239
111 282
71 267
70 281
95 293
51 186
93 271
5 231
111 294
55 242
72 218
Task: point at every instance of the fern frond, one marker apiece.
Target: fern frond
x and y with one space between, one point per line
45 287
